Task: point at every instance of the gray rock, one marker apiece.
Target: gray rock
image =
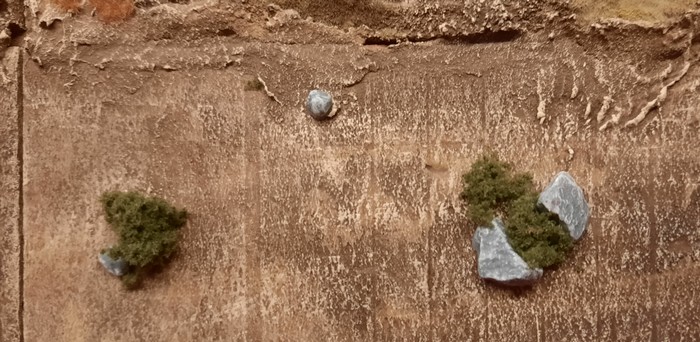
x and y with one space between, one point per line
476 240
565 198
319 104
497 261
115 267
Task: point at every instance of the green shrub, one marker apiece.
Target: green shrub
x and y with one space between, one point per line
148 230
490 186
535 234
491 189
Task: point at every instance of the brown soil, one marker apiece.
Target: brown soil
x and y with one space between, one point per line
636 10
107 10
113 10
349 229
68 5
347 13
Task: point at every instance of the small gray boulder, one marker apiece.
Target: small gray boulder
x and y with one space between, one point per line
497 261
115 267
565 198
319 104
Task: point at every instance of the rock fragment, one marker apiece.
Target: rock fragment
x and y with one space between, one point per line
319 104
565 198
114 267
497 261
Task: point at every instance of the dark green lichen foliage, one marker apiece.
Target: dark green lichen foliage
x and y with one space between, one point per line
536 234
490 187
148 230
493 189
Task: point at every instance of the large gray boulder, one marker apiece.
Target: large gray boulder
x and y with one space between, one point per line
497 261
319 104
115 267
565 198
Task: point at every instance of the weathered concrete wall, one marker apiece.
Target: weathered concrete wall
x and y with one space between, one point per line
10 240
352 229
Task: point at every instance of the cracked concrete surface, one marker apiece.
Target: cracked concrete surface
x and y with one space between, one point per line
349 229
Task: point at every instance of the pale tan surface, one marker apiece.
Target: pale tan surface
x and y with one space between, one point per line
648 10
9 195
352 229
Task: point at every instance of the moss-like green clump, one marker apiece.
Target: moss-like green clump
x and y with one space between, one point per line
536 234
148 230
491 188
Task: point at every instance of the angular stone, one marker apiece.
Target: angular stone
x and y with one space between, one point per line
115 267
497 261
319 104
565 198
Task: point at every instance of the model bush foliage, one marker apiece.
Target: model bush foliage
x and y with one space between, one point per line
148 230
493 189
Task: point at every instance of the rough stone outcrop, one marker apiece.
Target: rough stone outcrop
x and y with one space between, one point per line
565 198
319 104
497 261
114 267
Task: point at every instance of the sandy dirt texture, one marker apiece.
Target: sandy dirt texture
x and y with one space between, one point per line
635 10
10 190
349 229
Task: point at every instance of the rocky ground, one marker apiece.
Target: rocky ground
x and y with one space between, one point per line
349 229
